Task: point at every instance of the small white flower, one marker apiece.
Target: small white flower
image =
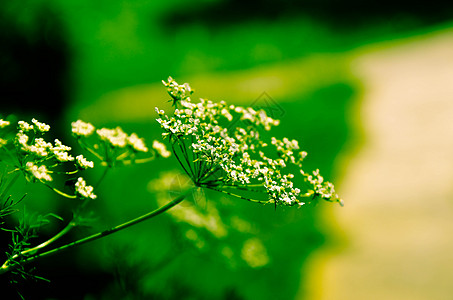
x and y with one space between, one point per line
83 189
159 112
137 143
60 147
161 149
82 162
226 114
63 156
177 91
81 128
42 127
3 142
3 123
24 126
116 136
61 151
40 147
40 173
22 139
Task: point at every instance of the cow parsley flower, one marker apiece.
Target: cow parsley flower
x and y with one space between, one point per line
84 190
61 151
137 143
80 128
4 123
38 159
41 127
40 173
116 137
176 91
222 147
39 148
22 140
83 163
24 126
161 149
112 146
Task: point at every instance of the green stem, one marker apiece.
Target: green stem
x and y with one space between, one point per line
59 192
9 265
130 162
33 250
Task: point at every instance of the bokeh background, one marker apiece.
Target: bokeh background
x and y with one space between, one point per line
366 87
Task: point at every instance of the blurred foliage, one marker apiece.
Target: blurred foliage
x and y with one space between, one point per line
61 56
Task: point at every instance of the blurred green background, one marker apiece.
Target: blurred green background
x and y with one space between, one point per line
103 61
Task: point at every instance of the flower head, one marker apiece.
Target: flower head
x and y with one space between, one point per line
24 126
83 163
84 190
40 173
176 91
80 128
61 151
222 147
137 143
4 123
116 137
41 127
161 149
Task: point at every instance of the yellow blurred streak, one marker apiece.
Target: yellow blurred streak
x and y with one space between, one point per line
285 80
398 217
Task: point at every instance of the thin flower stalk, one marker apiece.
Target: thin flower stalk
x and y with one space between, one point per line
222 147
29 255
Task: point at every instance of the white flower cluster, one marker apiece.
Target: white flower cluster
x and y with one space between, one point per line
40 173
4 123
24 126
115 137
37 127
80 128
41 158
83 163
42 127
43 149
83 189
161 149
118 138
137 143
114 146
220 147
61 151
324 189
177 91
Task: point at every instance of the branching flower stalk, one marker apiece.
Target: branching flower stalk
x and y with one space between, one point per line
30 256
39 161
222 147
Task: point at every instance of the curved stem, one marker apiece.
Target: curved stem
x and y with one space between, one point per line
104 173
9 265
59 192
49 241
241 197
130 162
